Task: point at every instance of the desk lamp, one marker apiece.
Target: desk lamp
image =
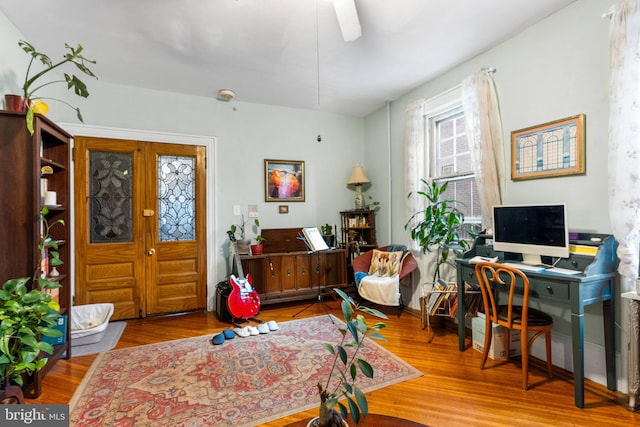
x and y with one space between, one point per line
358 178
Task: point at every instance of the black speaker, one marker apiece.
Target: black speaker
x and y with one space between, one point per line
223 289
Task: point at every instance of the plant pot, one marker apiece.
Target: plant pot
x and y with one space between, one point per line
243 246
15 103
256 249
329 239
315 422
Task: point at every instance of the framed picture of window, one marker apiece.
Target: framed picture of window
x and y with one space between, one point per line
283 180
551 149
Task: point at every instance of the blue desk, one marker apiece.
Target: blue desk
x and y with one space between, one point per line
595 284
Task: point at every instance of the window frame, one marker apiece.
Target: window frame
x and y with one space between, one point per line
438 108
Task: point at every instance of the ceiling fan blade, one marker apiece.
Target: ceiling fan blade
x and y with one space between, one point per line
348 19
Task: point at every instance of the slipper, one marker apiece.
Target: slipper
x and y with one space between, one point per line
273 326
242 332
263 328
218 339
252 330
229 334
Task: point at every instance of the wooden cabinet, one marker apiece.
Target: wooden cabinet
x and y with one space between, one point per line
25 162
292 276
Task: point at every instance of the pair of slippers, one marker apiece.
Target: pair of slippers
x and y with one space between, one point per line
262 328
227 334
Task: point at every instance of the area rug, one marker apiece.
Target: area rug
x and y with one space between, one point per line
110 339
243 382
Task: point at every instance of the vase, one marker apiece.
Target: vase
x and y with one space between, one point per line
15 103
243 246
315 422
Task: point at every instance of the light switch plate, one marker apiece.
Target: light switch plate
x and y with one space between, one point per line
236 210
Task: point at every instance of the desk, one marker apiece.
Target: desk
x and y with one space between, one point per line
596 284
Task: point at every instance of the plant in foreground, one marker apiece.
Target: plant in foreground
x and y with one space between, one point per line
346 364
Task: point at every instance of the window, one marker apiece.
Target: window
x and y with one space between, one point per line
449 157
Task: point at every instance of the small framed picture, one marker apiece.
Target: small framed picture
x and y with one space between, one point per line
283 180
283 209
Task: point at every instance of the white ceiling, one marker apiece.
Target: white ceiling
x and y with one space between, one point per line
265 50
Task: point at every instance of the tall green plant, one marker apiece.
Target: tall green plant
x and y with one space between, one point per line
32 82
439 226
345 366
26 314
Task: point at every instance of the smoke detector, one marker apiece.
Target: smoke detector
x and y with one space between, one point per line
225 95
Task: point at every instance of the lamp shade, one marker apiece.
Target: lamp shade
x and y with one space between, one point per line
357 176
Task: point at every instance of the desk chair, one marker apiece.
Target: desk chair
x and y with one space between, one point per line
492 276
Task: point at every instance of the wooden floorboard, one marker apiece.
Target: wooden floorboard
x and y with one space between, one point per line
453 391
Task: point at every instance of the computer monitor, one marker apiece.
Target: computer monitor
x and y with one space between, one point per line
532 230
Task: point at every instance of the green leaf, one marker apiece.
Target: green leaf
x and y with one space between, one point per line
355 412
343 355
365 368
362 401
329 347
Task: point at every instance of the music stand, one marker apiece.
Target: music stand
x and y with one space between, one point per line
319 296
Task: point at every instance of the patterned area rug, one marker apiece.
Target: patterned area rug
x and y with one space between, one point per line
243 382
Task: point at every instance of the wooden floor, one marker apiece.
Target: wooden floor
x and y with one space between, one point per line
452 392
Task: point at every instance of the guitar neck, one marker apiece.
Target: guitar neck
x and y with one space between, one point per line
238 261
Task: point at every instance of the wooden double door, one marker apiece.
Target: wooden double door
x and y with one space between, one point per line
140 226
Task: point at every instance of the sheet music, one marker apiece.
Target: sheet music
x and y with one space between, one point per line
314 239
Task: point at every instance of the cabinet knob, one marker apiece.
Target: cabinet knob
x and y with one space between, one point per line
151 251
549 290
288 272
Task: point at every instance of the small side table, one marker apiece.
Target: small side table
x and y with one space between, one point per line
633 375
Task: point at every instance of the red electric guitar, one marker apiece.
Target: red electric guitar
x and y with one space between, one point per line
243 301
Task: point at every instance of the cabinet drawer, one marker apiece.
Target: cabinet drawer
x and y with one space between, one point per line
548 289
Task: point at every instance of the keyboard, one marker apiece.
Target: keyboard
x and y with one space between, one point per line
524 267
562 271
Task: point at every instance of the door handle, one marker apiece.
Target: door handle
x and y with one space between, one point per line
148 212
151 251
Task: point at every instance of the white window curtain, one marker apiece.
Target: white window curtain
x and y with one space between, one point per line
484 130
414 162
624 137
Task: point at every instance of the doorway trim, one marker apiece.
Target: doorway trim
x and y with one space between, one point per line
162 137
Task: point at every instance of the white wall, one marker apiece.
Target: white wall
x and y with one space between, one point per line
554 69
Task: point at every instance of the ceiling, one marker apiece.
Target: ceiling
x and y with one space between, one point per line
265 50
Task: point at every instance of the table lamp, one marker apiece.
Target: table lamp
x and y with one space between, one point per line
358 178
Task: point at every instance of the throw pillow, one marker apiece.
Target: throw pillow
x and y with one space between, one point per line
385 264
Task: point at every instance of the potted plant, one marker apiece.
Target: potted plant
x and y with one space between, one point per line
27 312
374 205
439 226
345 365
243 242
258 247
33 82
327 234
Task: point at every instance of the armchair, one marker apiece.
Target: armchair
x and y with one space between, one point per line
380 284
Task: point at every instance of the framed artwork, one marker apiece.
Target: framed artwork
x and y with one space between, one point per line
283 180
548 150
283 209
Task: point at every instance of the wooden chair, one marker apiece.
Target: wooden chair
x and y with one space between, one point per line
492 276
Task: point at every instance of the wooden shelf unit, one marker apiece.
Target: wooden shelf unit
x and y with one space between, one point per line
358 228
21 163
